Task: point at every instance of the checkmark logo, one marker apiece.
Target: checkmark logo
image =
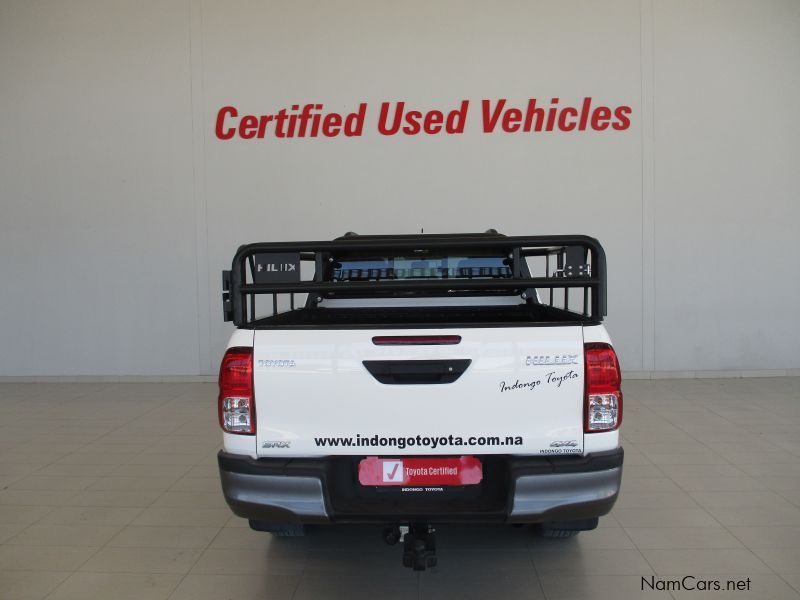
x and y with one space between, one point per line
393 471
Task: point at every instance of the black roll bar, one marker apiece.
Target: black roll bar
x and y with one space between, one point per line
572 272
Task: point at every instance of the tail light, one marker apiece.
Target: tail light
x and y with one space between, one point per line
237 403
603 400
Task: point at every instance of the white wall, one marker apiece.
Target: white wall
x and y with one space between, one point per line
120 207
727 184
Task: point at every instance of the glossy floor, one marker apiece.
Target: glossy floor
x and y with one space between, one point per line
110 491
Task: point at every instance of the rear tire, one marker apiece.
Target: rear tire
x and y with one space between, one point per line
279 529
564 529
558 533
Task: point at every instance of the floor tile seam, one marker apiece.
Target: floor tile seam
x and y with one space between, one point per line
640 452
10 544
721 416
181 478
199 556
767 489
796 589
649 564
52 508
699 441
795 503
536 572
142 509
727 462
751 550
771 488
72 573
723 528
37 571
109 433
706 511
123 527
303 573
51 463
771 570
139 453
144 414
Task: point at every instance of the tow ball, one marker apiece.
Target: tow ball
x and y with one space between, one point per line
419 544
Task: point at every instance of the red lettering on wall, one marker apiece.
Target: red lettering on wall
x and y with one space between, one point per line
563 125
311 120
456 118
222 133
623 121
490 117
248 127
600 118
512 120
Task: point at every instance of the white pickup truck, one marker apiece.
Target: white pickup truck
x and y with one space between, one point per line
417 379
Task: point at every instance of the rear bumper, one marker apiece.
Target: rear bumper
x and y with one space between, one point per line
535 489
275 498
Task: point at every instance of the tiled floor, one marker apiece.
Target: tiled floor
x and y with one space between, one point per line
110 492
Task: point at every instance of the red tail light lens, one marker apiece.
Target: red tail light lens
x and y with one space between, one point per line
237 403
603 399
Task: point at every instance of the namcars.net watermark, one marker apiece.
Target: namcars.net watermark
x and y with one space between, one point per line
692 583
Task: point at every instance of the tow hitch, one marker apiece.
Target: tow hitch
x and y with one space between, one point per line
419 544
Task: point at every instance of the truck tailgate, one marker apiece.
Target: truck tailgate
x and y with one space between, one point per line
504 390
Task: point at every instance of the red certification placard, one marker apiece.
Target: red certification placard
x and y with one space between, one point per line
374 471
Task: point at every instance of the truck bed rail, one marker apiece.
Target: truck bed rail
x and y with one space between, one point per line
566 262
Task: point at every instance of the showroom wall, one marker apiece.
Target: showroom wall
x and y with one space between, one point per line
121 202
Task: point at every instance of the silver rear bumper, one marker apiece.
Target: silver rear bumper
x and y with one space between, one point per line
275 498
276 492
564 496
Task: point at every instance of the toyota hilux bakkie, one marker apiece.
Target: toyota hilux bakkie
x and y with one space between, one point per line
412 380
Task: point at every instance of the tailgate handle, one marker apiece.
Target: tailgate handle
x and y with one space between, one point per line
405 372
